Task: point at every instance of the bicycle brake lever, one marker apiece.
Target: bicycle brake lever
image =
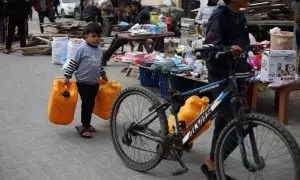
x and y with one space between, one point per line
220 53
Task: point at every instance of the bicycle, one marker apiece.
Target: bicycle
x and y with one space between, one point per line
150 123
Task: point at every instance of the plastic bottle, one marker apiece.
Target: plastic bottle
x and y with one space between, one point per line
192 107
188 58
62 102
107 93
161 19
170 49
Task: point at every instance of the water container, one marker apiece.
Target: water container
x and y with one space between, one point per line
108 91
192 107
62 102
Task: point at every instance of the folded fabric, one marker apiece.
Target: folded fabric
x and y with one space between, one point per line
123 23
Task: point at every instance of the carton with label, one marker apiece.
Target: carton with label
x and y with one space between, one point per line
278 65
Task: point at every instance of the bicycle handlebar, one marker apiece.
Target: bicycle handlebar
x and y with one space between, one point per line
226 49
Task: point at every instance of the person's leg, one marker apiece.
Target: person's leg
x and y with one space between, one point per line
224 115
298 38
41 20
115 45
106 27
26 28
50 15
11 31
2 31
56 11
21 26
87 94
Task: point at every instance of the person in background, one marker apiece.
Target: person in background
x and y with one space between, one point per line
204 14
92 14
226 27
55 11
44 9
139 15
17 12
107 14
2 26
86 64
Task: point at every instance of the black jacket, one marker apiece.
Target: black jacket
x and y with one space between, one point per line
225 28
17 8
1 8
143 16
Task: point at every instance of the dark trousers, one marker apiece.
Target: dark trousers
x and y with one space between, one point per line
2 30
298 38
224 112
14 22
42 14
55 11
115 45
224 115
87 94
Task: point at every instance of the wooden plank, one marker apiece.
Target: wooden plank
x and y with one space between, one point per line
49 42
259 4
272 23
54 35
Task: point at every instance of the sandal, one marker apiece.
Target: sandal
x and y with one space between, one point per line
7 51
84 133
211 175
91 129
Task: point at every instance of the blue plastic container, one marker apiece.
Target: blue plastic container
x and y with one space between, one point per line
148 78
163 86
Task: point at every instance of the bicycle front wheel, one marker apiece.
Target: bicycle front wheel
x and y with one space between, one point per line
138 152
277 149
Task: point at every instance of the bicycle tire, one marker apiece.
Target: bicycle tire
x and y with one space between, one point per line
163 123
275 126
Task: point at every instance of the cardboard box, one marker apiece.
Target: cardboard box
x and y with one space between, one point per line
278 65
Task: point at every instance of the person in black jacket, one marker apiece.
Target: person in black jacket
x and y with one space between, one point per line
226 27
140 14
2 27
17 12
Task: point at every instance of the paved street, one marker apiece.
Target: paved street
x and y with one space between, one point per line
32 148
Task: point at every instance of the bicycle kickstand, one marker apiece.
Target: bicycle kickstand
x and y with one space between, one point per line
183 168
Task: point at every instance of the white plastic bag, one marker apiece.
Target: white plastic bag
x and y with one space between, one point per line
252 39
275 30
59 49
73 46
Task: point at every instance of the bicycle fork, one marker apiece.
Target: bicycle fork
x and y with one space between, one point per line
237 106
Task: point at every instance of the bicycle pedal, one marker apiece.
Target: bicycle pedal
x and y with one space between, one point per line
180 171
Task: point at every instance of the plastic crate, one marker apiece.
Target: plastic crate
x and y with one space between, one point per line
163 86
148 78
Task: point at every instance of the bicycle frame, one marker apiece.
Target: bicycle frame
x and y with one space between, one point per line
200 120
207 114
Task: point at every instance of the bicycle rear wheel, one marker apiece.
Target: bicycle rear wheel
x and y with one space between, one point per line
136 151
276 147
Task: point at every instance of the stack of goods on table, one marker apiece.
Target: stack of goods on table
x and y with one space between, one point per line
157 26
179 61
134 57
277 64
